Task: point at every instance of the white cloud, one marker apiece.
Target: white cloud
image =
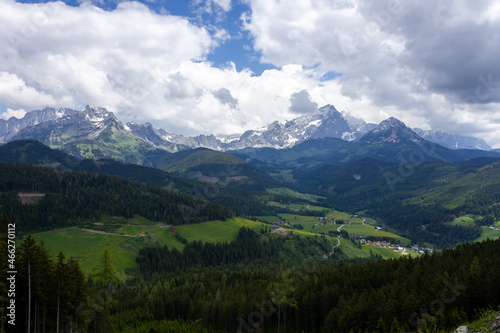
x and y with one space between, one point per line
224 96
15 92
224 4
301 103
395 60
85 55
9 113
413 59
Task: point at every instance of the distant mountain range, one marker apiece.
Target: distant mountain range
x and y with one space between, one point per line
390 141
95 132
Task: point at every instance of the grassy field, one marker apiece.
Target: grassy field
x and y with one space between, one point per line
291 193
217 231
368 230
87 247
384 252
488 233
308 222
351 250
298 207
463 221
124 245
133 230
343 216
268 219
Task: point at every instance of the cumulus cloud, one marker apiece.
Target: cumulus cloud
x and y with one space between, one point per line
432 65
301 103
414 59
101 58
16 92
224 96
9 113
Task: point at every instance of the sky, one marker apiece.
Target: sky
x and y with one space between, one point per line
225 66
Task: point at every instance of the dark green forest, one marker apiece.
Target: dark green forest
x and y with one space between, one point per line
74 197
433 291
259 282
416 200
246 248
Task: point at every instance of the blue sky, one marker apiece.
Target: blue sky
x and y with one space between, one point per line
225 66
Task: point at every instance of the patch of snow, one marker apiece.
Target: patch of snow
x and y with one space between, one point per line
59 113
316 123
94 119
348 136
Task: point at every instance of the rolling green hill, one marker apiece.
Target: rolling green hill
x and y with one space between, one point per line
68 198
32 152
246 199
417 199
215 167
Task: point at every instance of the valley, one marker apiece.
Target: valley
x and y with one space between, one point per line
187 227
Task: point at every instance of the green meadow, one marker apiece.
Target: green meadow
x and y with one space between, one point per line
87 247
291 193
488 234
308 223
217 231
384 252
368 230
463 221
124 244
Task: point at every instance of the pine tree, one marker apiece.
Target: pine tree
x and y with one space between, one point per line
106 278
27 257
61 276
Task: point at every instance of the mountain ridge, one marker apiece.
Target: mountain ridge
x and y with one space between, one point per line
95 132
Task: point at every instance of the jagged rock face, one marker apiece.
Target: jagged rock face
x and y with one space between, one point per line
333 125
391 130
329 123
453 141
146 132
9 128
89 122
55 126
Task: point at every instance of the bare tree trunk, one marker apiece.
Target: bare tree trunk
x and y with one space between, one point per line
105 309
76 318
29 296
36 315
279 313
58 301
284 321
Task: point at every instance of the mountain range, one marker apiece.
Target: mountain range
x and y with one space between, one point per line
95 132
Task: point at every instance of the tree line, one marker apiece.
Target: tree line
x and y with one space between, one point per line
48 294
434 292
248 246
73 197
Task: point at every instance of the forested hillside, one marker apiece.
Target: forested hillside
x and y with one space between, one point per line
436 292
72 197
418 200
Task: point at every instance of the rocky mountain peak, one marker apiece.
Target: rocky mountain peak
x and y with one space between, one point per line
96 114
452 141
391 130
